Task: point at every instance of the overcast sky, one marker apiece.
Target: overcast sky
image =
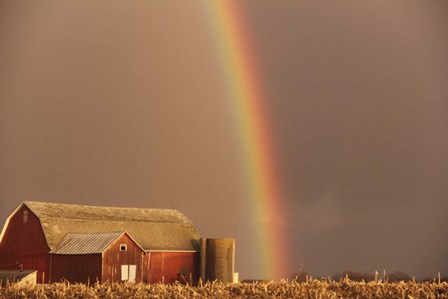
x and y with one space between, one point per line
123 103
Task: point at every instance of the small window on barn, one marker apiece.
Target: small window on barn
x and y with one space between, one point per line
123 247
25 216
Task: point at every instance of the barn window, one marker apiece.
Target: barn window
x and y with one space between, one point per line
123 247
25 216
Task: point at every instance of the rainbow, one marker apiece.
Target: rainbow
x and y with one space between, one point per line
241 71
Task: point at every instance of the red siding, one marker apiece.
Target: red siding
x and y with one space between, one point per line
113 258
76 268
167 266
24 244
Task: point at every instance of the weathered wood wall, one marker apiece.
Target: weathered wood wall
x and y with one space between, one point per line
84 268
168 266
113 258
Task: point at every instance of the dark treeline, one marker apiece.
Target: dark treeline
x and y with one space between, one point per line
396 276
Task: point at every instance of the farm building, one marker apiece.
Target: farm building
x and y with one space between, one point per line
89 243
18 277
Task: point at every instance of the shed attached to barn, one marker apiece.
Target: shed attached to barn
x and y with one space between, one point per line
64 241
86 257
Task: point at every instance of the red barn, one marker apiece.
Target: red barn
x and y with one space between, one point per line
90 243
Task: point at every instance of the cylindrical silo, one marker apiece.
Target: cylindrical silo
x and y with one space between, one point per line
220 259
203 253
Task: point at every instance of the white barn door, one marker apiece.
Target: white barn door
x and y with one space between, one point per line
128 272
132 272
124 272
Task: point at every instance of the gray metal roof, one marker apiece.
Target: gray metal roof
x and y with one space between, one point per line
152 229
14 276
86 243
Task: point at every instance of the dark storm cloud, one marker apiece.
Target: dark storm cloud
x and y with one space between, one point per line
123 103
360 104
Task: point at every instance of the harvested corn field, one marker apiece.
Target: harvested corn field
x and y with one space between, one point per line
283 289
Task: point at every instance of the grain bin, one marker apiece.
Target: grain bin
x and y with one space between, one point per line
218 259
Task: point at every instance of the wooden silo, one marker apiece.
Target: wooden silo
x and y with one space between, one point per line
218 259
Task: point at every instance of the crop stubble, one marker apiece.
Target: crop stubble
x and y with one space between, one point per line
283 289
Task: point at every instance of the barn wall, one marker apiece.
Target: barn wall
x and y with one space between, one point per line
113 258
167 266
24 244
76 268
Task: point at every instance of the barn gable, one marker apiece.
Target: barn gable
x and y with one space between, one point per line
8 219
152 229
23 244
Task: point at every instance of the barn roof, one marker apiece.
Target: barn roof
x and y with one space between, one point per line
152 229
86 243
